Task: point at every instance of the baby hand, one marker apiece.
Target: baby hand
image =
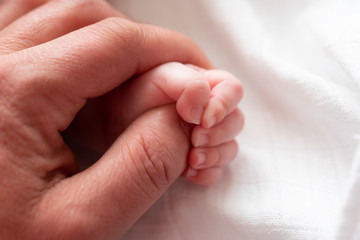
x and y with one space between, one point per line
213 141
206 98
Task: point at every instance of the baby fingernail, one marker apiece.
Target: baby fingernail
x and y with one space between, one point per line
212 121
203 139
191 172
201 159
196 114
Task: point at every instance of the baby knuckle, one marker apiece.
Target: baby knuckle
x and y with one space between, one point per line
197 82
238 88
239 119
231 80
223 102
235 83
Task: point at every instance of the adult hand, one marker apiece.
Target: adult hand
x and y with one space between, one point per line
55 56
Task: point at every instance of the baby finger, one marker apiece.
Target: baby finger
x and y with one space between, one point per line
200 158
223 132
226 93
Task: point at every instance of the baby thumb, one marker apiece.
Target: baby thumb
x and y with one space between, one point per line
106 199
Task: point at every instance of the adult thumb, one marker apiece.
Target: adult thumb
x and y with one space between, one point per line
103 201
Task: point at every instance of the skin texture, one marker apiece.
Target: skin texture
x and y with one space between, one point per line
61 62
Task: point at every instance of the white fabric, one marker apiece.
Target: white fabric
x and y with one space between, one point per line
294 176
349 220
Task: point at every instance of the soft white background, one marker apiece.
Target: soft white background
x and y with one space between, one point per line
299 62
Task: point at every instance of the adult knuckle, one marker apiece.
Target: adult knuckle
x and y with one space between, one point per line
83 5
6 84
33 3
125 32
8 94
158 163
27 4
122 27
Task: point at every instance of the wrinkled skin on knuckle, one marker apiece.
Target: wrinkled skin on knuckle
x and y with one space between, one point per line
164 146
121 30
158 163
111 35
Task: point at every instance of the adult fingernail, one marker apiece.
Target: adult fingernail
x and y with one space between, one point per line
196 114
202 140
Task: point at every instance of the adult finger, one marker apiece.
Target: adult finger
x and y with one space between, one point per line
10 10
52 20
103 201
61 74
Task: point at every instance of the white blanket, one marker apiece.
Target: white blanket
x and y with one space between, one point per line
296 175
